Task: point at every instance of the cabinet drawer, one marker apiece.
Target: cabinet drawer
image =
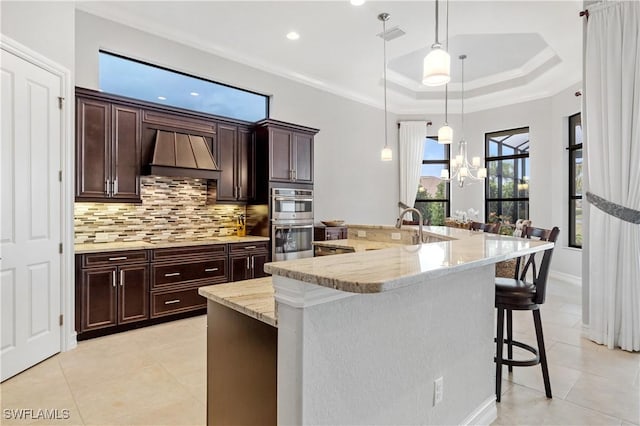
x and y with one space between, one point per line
114 258
170 254
172 302
243 248
213 271
334 234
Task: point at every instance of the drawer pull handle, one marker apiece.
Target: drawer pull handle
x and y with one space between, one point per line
118 258
171 302
250 247
173 274
211 269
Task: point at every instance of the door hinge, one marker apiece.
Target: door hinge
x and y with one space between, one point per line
60 102
60 175
60 248
61 321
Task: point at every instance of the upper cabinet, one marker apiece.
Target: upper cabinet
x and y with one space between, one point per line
234 160
289 148
108 151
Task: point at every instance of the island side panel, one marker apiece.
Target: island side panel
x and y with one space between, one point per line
241 368
373 358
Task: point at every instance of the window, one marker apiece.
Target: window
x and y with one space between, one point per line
507 185
575 181
126 77
433 193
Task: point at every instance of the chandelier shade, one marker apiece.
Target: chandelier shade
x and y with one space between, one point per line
445 134
437 67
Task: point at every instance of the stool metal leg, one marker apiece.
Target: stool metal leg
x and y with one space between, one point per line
510 337
499 344
543 355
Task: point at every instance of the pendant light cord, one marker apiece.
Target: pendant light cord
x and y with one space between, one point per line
446 86
437 42
462 58
384 50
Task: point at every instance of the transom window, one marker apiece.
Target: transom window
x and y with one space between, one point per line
433 193
508 175
134 79
575 181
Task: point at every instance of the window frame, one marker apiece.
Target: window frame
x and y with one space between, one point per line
447 190
488 159
266 97
572 148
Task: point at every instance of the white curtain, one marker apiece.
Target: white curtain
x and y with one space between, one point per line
612 155
411 151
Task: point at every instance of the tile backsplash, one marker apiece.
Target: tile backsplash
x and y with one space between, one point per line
172 209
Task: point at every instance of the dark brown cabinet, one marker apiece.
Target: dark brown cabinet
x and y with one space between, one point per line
234 161
113 289
108 151
247 260
325 233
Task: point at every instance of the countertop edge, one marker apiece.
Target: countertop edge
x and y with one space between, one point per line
87 248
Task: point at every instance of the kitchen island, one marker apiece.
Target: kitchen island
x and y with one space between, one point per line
363 337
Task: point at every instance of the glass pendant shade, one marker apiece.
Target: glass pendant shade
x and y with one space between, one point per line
437 67
386 154
445 134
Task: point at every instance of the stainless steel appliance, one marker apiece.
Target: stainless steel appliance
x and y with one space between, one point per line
291 204
291 239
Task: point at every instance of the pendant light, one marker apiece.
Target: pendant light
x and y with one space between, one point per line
445 133
437 64
386 154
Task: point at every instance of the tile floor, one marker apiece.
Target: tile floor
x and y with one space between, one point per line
156 376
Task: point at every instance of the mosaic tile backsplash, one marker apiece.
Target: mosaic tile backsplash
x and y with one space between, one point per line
172 209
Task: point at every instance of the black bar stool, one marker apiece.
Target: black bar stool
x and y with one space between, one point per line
492 228
519 294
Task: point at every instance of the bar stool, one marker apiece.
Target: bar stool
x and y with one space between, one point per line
519 294
492 228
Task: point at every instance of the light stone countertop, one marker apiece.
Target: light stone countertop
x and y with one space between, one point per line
142 245
250 297
390 268
355 244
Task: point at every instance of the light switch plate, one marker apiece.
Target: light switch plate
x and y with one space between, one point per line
396 236
362 233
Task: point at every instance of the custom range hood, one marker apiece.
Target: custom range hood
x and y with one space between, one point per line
183 155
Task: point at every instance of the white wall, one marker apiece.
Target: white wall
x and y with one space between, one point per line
351 182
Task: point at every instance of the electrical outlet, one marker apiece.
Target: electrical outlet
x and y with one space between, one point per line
396 236
438 391
362 233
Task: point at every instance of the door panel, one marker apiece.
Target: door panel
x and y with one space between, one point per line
280 161
226 154
258 265
126 152
93 136
242 167
99 298
31 192
133 298
303 157
239 268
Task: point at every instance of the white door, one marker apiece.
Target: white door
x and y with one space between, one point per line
30 222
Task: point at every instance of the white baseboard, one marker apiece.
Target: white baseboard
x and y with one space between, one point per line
485 414
567 278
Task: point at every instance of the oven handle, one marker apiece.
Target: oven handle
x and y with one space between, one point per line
293 199
293 226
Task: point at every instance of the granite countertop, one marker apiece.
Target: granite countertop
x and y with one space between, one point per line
250 297
390 268
355 244
142 245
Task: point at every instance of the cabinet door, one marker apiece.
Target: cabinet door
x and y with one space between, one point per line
258 261
125 153
93 136
227 137
280 155
303 157
240 268
98 298
242 166
133 293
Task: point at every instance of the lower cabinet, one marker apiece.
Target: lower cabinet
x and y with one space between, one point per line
247 260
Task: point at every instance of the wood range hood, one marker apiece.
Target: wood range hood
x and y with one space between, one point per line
183 155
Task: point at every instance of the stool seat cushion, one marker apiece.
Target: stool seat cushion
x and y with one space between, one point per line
514 292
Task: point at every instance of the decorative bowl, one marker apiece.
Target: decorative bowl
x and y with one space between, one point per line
332 222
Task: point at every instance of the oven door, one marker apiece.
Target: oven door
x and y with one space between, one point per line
291 240
291 204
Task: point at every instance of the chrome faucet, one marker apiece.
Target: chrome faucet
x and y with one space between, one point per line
399 223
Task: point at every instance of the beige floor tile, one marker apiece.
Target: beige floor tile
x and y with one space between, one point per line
562 378
187 357
608 396
524 406
183 412
636 383
596 359
196 382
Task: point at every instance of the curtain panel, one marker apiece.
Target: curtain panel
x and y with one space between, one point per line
411 151
612 157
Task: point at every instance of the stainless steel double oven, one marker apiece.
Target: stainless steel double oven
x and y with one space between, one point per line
291 223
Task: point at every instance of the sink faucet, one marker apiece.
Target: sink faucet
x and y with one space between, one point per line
399 222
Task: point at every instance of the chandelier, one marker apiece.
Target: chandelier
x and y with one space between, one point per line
461 169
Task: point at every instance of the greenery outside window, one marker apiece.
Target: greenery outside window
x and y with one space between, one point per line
575 181
134 79
508 172
433 193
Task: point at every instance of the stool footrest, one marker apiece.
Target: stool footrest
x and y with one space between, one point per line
521 363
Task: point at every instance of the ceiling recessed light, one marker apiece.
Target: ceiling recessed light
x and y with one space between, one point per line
293 35
194 94
162 98
357 2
